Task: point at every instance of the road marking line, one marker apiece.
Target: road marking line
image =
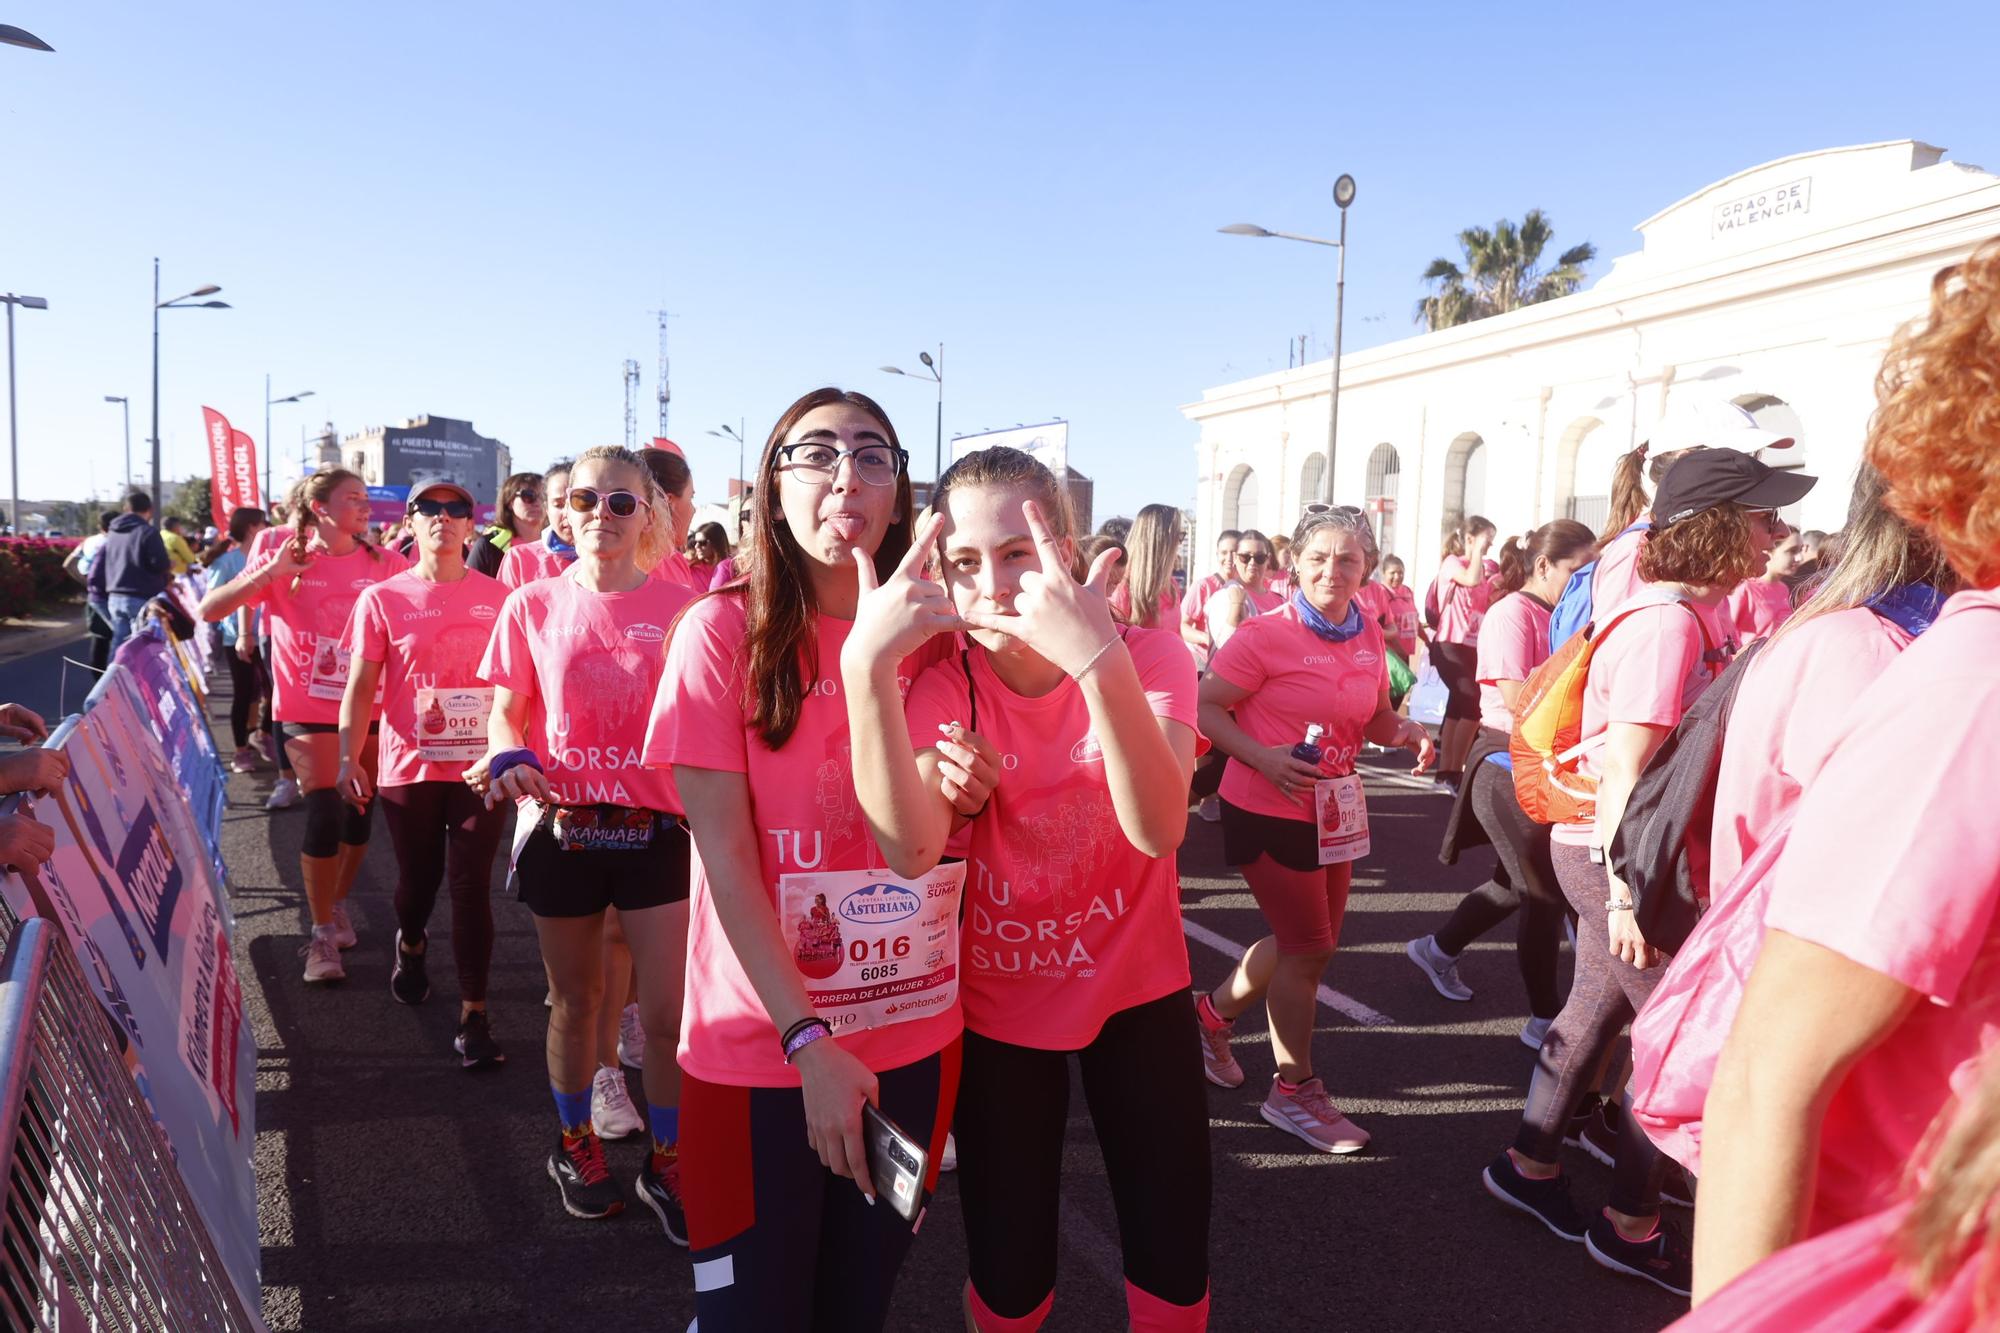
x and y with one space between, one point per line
1328 996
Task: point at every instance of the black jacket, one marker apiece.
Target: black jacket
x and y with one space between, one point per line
134 559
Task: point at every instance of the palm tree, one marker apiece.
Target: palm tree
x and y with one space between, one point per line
1500 273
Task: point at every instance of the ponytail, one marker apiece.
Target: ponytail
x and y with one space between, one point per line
1515 566
1628 493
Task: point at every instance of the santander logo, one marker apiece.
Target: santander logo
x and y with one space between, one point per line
646 633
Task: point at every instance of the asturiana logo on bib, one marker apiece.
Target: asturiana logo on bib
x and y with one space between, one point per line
645 633
880 902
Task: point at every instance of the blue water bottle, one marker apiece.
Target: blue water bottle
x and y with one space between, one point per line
1308 749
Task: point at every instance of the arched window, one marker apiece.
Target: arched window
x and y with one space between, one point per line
1312 479
1591 455
1239 498
1464 478
1385 474
1780 418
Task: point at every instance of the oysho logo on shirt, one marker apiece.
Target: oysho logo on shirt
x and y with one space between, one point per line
646 633
1086 751
432 614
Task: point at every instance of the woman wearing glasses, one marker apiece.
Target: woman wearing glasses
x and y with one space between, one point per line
1247 593
551 553
708 553
418 638
518 518
799 933
573 664
1313 671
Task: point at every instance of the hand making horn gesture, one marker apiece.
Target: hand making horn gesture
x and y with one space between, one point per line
893 619
1066 622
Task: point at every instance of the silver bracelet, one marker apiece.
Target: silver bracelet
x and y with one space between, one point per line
1109 644
1613 905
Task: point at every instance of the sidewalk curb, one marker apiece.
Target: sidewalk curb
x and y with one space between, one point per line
25 640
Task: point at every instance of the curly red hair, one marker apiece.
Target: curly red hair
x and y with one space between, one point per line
1936 434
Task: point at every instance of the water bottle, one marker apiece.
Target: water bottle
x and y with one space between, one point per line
1308 749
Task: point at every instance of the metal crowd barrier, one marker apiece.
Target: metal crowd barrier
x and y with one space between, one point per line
99 1231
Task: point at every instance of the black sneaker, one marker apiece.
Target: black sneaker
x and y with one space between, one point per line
1677 1187
1579 1120
1599 1137
1664 1259
1547 1201
659 1188
475 1042
408 981
577 1167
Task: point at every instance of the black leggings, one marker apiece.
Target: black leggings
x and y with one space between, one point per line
248 691
1142 1080
1525 879
1604 995
1458 667
443 830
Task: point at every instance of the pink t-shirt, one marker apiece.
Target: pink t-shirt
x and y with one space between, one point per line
677 568
1512 643
430 638
1462 608
1758 606
1374 601
1166 613
1894 863
590 662
266 541
1296 678
1403 612
1066 922
1646 671
1790 710
309 640
525 562
725 573
806 818
1194 606
1617 578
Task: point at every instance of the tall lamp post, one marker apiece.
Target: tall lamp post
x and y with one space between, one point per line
13 449
935 371
726 432
186 302
269 452
1343 195
125 403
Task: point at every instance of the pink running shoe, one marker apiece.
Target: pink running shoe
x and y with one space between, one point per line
1217 1063
1310 1114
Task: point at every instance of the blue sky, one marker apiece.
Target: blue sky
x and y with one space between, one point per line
472 210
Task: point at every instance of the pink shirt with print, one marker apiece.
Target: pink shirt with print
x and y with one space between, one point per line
1757 607
1512 643
525 562
589 662
427 636
308 620
1894 863
1462 608
1194 606
805 817
1296 678
1403 614
1066 922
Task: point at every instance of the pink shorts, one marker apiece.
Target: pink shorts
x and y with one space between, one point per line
1303 907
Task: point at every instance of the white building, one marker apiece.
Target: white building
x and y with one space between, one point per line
1778 288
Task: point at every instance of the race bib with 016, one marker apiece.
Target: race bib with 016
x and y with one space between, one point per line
1341 814
874 949
451 724
326 678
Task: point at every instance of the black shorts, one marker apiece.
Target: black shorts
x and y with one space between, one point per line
1247 835
1458 667
298 731
559 883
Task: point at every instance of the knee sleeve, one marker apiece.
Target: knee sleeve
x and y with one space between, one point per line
323 822
354 823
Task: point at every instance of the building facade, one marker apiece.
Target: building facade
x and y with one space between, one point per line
427 449
1778 288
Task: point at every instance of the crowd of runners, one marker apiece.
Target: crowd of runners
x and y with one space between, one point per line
849 837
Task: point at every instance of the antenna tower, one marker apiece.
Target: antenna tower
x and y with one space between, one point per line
666 391
631 403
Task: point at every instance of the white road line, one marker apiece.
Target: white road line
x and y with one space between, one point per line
1328 996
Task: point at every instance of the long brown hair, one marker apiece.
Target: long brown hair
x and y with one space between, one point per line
1630 498
1883 550
1554 541
781 646
316 489
1151 549
1464 530
510 490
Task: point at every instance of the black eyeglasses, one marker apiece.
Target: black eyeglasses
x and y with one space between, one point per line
1253 559
875 464
622 504
449 508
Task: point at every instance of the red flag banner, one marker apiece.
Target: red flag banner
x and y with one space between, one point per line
232 468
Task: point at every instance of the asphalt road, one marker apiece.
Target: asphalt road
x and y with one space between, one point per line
396 1191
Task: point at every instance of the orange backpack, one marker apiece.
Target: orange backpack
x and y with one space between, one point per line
1546 744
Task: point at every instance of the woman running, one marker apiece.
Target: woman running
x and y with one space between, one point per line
779 1191
573 664
518 518
419 638
1653 657
1464 591
1073 942
1316 663
552 552
307 587
1148 597
1247 593
1512 643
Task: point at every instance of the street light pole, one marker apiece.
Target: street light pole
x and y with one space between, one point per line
175 304
13 447
270 451
936 369
725 433
126 404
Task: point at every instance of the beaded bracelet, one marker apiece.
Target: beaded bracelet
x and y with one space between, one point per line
1084 670
803 1034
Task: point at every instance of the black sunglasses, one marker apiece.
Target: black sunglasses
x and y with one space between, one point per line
622 504
449 508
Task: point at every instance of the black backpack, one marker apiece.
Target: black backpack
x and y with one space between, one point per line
1661 848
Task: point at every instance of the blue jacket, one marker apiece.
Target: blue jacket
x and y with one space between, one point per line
134 559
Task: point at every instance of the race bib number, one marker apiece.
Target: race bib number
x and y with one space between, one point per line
1341 811
451 724
874 949
602 828
327 678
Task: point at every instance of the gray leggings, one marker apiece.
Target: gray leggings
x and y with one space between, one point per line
1603 996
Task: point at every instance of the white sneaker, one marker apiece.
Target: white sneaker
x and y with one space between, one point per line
1210 809
1534 1030
283 796
948 1160
1439 966
343 929
631 1039
322 957
611 1111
